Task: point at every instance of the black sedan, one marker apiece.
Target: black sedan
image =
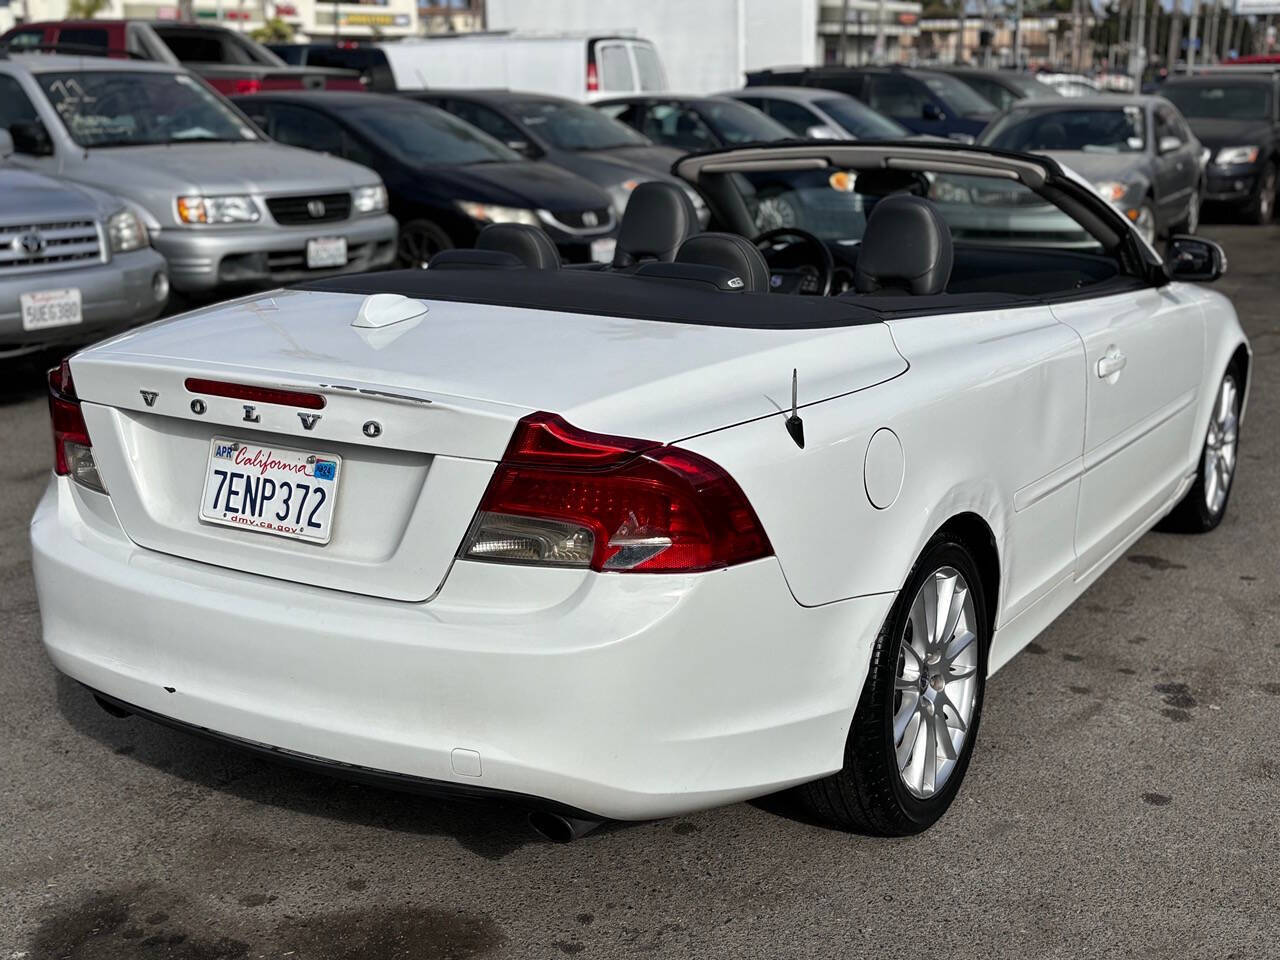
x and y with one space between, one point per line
609 154
445 179
690 124
1237 117
1136 150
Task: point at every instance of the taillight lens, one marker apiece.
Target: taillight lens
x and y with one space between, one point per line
72 450
567 497
247 85
593 78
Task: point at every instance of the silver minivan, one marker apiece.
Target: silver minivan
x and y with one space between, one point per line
226 206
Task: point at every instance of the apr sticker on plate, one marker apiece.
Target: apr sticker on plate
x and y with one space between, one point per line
267 489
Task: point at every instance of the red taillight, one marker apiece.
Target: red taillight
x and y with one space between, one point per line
593 78
68 421
72 449
566 497
247 85
242 391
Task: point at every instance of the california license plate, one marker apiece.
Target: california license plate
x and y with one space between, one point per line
326 252
50 308
269 489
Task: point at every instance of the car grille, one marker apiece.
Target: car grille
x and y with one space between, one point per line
313 208
583 219
53 243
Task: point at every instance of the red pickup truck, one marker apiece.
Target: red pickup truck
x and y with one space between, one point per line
230 62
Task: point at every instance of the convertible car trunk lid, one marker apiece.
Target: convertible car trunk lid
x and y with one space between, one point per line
418 411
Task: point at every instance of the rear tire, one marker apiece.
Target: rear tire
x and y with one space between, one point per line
1191 222
906 691
1205 504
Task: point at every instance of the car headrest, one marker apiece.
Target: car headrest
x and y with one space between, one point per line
738 255
530 245
659 217
906 248
464 259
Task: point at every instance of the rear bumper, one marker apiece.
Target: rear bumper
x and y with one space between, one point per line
113 296
203 260
624 697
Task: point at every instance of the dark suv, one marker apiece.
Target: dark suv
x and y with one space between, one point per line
1236 115
923 101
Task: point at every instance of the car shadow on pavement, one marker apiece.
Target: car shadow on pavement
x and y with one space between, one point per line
488 829
26 378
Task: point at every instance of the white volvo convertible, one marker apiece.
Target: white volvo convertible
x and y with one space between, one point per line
724 517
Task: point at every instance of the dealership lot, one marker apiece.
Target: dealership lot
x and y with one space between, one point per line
1122 801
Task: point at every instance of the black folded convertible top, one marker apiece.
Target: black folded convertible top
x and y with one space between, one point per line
607 294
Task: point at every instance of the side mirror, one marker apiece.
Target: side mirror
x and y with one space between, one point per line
30 137
523 147
821 131
1194 259
6 144
931 111
1168 144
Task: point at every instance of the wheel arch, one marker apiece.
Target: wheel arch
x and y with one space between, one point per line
976 535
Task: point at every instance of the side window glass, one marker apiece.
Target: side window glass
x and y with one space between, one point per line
1167 126
678 127
83 37
15 105
299 127
896 96
25 39
792 116
355 151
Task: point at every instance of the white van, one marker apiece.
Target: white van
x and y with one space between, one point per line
580 67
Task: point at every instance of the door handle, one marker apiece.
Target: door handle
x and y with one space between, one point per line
1111 363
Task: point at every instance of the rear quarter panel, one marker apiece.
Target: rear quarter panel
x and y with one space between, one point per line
990 419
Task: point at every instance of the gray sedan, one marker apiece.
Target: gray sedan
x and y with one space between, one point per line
75 263
225 205
1137 151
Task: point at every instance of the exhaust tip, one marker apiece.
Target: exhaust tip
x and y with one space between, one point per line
560 829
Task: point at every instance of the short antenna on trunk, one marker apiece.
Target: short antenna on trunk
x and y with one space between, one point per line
795 426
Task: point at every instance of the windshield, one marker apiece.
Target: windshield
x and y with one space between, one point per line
957 95
418 135
1108 130
118 108
834 204
736 122
571 126
1220 101
860 120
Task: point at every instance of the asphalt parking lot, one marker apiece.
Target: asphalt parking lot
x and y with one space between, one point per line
1124 799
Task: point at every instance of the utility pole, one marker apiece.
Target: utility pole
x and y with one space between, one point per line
1175 36
844 34
1137 55
1191 35
1017 35
1153 34
880 38
960 32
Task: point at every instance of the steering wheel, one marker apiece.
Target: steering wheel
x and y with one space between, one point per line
802 264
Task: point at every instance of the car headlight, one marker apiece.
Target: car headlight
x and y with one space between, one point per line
1231 156
228 209
1112 190
370 199
126 232
492 213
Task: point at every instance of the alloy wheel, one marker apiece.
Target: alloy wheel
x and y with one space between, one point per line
936 684
1220 446
1193 212
416 248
